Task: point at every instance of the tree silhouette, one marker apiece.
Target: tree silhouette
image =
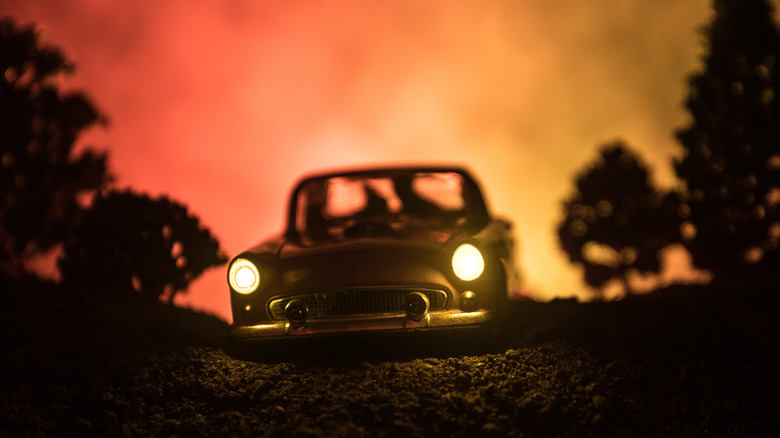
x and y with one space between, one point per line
129 243
731 162
616 221
42 178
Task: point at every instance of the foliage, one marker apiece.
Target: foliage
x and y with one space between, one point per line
616 221
131 243
731 162
42 177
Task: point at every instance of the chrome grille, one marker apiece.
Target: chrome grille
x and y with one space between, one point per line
356 302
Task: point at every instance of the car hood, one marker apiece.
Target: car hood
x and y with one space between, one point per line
407 241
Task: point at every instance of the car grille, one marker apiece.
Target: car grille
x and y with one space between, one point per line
356 302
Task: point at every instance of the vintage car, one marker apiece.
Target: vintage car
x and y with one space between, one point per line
376 250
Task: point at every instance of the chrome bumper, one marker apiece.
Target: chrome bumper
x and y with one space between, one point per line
430 321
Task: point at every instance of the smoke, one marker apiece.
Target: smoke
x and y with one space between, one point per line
223 104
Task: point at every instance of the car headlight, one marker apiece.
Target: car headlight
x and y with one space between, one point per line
243 276
467 262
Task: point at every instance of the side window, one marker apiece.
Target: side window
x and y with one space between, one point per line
345 197
442 189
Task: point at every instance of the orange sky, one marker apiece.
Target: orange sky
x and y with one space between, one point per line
222 105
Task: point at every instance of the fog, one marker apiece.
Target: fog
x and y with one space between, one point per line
222 105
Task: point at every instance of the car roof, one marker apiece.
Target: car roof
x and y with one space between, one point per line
386 169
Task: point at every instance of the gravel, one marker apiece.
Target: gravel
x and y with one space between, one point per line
684 361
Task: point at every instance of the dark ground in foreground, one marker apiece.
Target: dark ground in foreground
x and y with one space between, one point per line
680 362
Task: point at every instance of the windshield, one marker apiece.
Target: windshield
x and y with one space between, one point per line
375 205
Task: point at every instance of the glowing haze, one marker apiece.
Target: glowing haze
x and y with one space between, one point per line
223 104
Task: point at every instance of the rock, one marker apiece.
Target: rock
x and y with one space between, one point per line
490 430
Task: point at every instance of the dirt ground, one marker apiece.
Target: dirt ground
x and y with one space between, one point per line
679 362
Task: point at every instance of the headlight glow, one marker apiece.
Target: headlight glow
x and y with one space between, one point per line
467 262
244 276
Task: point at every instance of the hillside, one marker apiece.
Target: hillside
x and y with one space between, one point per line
684 361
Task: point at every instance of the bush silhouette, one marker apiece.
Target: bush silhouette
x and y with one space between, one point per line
128 243
731 162
616 221
42 178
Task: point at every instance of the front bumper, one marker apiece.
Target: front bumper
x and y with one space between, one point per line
431 321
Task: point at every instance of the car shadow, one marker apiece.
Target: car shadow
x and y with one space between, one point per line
356 348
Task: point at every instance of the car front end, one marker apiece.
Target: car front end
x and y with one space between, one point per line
360 289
